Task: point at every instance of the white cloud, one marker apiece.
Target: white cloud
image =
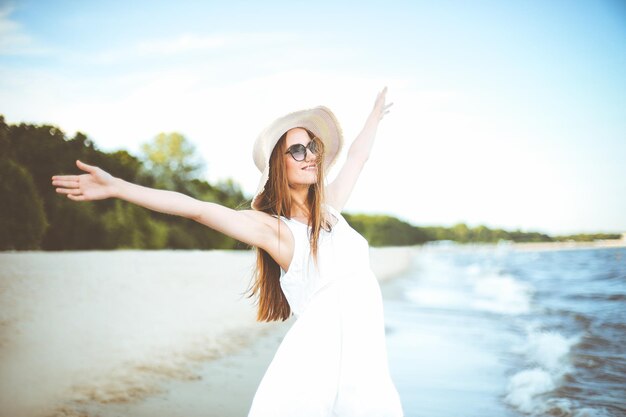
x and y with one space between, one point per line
13 39
188 44
182 43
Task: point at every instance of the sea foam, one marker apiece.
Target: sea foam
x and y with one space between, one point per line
547 354
476 286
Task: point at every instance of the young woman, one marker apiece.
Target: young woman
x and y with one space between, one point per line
310 262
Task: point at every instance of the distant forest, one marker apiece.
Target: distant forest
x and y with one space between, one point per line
34 217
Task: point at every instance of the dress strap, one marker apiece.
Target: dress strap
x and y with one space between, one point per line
334 212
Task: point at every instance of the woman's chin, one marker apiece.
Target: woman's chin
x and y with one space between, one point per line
309 179
302 183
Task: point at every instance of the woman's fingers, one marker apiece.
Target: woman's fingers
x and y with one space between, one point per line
385 110
89 168
382 94
380 99
76 197
66 184
380 107
72 191
74 186
65 177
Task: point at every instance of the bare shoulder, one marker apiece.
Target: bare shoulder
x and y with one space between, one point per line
260 216
272 223
278 240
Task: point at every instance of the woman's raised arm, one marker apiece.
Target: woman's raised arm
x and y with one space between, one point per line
340 189
248 226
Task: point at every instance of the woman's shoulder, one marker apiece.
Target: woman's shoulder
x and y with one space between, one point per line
260 216
273 222
281 252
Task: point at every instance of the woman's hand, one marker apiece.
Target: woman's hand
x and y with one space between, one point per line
380 108
96 185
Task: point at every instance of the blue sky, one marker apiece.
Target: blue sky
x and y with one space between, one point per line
508 114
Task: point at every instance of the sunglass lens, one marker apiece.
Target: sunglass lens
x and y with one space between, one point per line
298 152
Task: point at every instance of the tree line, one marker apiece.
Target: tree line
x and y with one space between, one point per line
382 230
34 217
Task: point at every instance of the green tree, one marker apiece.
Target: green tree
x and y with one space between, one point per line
5 147
172 161
461 232
382 230
481 234
130 226
22 216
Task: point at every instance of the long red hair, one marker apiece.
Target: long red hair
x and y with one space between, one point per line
276 200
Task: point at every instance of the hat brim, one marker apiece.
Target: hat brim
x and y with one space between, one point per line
319 120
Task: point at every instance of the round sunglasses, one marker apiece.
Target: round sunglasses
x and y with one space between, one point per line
298 151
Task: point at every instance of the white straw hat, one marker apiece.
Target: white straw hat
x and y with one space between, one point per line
320 121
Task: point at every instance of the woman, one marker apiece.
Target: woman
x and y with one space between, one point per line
333 360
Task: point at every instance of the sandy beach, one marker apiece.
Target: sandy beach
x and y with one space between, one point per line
136 333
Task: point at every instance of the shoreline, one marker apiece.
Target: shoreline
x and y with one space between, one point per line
613 243
608 243
616 243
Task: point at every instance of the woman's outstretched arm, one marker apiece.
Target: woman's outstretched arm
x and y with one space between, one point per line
98 184
340 189
248 226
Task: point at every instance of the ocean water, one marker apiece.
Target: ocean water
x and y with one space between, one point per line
496 331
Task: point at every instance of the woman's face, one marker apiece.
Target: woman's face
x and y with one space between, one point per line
300 172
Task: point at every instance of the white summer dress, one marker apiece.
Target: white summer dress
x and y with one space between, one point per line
333 360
